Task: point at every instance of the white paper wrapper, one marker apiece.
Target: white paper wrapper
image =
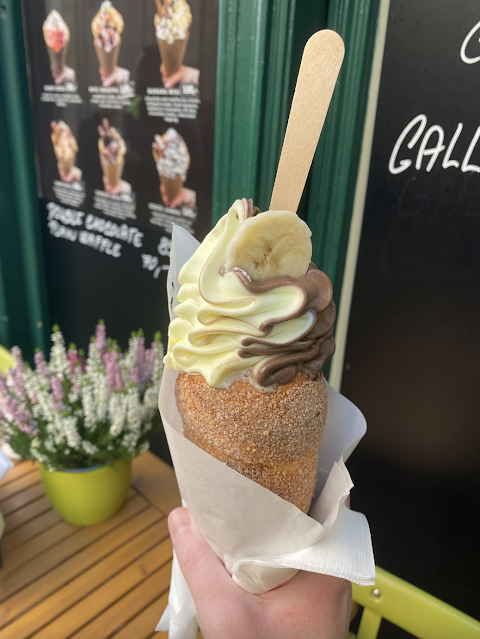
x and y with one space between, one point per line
262 539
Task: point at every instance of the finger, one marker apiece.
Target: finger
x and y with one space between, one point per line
204 573
107 82
172 80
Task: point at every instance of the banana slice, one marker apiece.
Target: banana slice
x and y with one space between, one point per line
271 244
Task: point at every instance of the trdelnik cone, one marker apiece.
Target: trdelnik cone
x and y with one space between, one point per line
172 23
57 36
111 150
64 145
173 160
107 27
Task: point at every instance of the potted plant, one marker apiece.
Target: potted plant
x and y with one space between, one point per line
83 419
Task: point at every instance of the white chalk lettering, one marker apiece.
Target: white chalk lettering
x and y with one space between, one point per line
421 120
465 164
463 50
434 151
447 162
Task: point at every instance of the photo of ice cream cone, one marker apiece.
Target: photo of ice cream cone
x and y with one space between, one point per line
111 149
173 160
57 36
107 27
172 23
65 148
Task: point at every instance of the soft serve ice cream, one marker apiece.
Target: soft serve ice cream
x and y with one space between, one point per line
252 302
253 327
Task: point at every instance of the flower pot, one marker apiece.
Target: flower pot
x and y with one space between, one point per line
87 496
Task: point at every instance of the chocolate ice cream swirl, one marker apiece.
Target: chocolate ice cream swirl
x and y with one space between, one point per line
309 351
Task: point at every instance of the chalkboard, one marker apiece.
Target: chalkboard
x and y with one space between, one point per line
413 351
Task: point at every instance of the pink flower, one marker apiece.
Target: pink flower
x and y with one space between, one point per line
101 339
41 365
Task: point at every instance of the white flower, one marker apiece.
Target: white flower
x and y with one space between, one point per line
36 454
89 448
129 441
89 413
134 411
44 407
58 355
117 409
93 360
143 448
50 445
100 395
68 426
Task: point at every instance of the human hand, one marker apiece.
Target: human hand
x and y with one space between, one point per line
118 77
74 175
186 196
186 75
121 187
67 75
309 606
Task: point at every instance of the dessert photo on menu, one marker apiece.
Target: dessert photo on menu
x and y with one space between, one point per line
57 38
107 29
172 29
65 147
172 160
111 151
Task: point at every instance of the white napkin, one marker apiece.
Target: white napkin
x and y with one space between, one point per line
262 539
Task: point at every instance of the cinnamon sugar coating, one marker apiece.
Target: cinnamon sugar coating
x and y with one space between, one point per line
269 436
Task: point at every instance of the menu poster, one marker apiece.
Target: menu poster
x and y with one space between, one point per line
123 106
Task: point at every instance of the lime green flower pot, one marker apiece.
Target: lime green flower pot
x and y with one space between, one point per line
87 496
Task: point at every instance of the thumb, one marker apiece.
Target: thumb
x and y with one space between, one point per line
204 573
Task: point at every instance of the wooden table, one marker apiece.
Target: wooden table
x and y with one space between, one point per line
109 580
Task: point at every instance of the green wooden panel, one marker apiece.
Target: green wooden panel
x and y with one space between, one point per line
260 48
25 271
336 163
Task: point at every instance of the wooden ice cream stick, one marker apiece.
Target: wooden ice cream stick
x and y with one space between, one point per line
321 62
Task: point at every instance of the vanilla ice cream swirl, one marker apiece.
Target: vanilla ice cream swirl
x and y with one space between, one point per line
228 325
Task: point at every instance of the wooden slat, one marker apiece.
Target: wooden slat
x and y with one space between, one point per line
111 580
79 579
35 526
45 540
156 480
129 606
110 592
14 487
25 514
44 533
19 470
143 626
79 545
22 499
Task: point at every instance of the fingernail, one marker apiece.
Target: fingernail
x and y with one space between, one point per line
178 521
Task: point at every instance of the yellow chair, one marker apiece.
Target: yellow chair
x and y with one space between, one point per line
6 360
411 609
